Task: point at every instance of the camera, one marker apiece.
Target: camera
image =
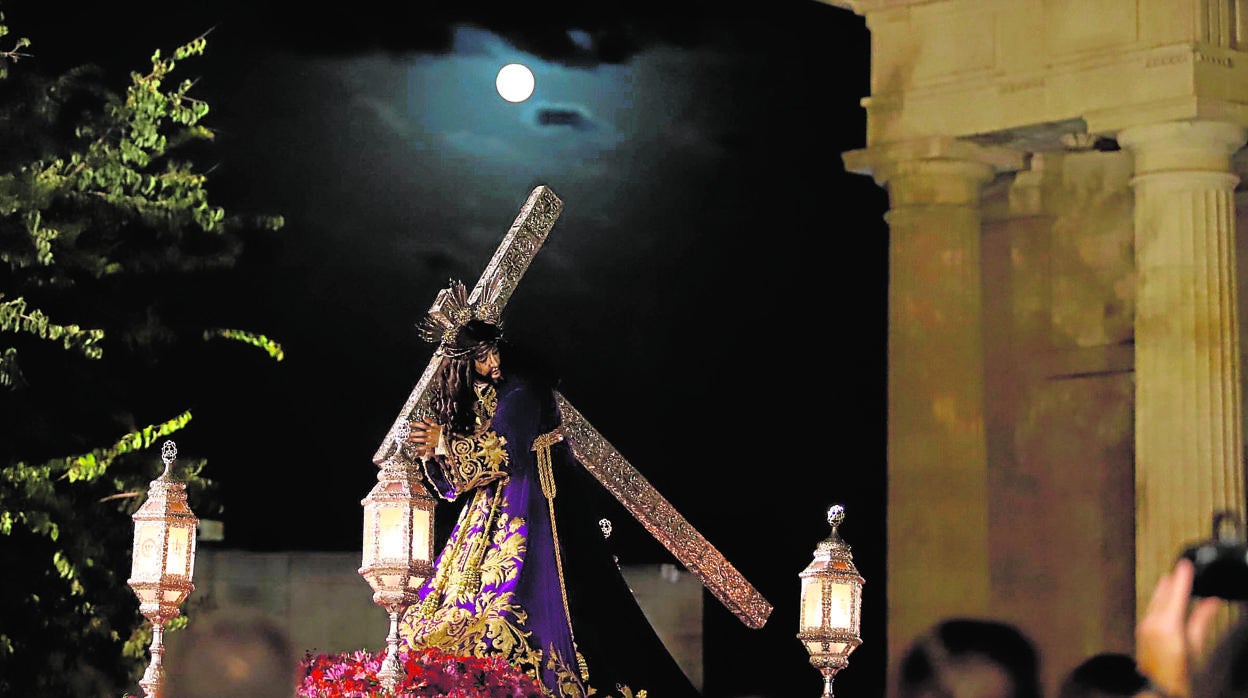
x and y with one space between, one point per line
1222 562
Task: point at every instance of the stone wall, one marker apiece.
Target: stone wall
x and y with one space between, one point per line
1059 301
327 607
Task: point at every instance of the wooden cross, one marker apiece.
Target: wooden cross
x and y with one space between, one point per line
621 479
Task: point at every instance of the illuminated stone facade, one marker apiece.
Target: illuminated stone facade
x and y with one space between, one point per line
1064 409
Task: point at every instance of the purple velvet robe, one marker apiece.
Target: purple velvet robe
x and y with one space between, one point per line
544 593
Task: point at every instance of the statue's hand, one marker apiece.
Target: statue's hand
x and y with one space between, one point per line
424 435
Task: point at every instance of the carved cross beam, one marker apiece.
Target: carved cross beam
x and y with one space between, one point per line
598 456
662 520
493 289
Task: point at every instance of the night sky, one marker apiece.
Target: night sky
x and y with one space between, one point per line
712 298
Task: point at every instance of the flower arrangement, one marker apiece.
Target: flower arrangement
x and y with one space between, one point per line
428 672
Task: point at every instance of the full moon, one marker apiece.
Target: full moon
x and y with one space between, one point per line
514 82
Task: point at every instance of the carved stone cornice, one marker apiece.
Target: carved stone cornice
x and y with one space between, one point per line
973 68
959 167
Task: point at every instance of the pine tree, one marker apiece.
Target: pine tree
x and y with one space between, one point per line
105 223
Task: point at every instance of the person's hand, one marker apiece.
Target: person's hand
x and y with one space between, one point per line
424 435
1168 637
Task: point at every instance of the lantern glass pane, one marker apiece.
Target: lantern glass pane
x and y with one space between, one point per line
178 559
147 595
148 550
815 648
828 648
370 534
422 541
393 541
190 563
840 599
174 597
812 611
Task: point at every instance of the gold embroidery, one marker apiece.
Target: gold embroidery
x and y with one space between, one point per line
493 624
484 555
487 403
476 460
570 684
441 579
479 459
453 628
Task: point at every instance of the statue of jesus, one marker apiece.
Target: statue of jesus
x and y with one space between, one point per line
527 572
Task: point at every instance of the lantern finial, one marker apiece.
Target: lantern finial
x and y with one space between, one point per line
836 514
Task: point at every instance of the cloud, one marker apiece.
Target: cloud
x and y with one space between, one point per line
575 118
476 146
568 32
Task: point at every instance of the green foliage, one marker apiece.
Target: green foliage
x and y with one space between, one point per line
15 317
104 212
270 347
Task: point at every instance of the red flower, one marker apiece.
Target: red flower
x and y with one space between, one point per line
429 672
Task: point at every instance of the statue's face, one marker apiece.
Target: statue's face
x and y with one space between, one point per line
486 365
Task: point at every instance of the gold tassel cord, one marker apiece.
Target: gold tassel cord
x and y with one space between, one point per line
546 475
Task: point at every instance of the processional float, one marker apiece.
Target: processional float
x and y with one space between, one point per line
600 458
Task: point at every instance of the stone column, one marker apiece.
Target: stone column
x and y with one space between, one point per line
938 499
1189 459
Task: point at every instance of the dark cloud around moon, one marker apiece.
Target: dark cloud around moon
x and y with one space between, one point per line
568 32
572 33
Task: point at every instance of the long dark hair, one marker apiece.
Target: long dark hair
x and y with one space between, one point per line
452 398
